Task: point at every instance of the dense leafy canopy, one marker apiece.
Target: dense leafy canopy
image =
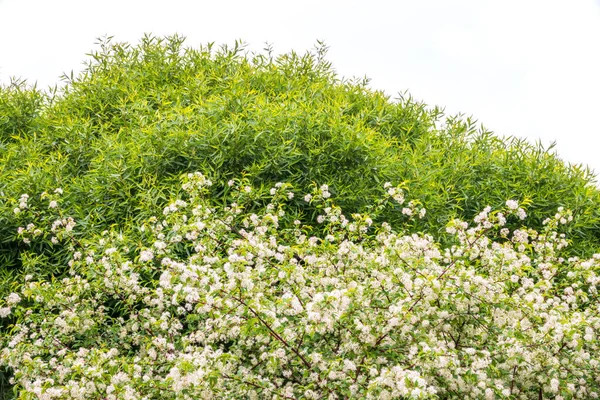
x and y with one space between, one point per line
117 137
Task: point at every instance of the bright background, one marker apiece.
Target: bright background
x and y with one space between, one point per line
528 68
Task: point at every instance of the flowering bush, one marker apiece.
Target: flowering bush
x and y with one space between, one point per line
219 302
117 136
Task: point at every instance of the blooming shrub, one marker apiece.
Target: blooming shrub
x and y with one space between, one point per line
117 137
222 303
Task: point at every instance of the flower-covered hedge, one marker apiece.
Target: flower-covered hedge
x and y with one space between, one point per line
117 136
219 302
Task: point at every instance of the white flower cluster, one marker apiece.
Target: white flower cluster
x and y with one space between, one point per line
252 306
195 182
61 228
513 205
23 203
321 194
413 208
395 193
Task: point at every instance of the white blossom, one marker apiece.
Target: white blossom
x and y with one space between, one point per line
512 204
244 305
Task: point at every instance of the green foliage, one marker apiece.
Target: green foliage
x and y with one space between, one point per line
20 107
118 136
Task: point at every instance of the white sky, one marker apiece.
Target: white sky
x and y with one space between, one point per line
529 68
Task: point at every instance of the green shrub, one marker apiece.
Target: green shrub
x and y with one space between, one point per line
20 108
221 302
117 137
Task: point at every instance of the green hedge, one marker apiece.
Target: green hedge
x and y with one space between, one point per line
117 137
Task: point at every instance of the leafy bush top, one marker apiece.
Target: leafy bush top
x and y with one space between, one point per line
117 137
